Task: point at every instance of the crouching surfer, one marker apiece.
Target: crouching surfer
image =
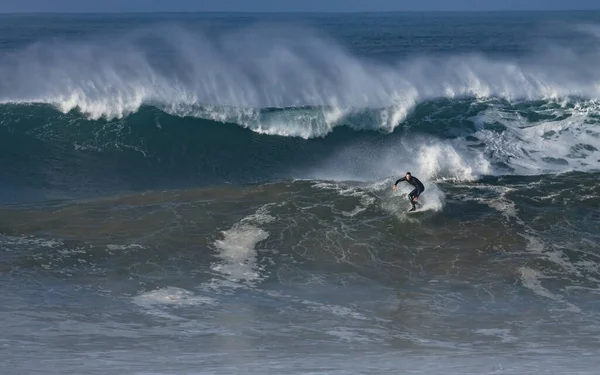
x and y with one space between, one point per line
413 195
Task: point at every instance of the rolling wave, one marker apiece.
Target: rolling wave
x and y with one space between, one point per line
460 140
235 76
172 107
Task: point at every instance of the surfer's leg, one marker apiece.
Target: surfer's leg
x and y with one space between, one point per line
412 196
417 195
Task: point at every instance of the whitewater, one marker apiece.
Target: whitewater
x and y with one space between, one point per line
212 193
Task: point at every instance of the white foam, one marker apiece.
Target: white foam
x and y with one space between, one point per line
30 240
357 210
112 247
500 202
154 302
237 249
171 296
7 243
531 279
340 311
546 146
442 160
534 245
355 335
504 334
347 191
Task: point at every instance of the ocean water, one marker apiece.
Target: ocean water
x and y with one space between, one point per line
212 194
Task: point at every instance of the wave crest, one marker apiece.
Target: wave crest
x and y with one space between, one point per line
233 77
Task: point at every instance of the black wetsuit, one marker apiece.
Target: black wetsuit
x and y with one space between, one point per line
419 188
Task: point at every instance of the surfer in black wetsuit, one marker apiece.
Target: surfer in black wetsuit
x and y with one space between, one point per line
419 188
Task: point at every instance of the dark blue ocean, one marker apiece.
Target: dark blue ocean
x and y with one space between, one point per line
212 193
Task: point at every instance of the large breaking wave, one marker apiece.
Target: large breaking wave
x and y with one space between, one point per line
233 77
176 105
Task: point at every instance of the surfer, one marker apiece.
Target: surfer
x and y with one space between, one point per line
413 195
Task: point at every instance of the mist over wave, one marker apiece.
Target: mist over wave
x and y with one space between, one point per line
234 76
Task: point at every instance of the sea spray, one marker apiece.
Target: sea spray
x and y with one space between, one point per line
230 77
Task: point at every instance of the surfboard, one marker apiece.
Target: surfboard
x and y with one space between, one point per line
420 208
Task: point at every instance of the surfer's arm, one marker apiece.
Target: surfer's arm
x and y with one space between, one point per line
399 180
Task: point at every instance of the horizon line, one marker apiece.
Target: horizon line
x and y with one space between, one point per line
303 12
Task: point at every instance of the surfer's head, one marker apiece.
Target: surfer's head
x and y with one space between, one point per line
408 175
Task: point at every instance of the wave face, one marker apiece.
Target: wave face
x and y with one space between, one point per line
460 140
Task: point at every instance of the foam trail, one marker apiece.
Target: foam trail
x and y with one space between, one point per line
154 302
232 76
236 249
